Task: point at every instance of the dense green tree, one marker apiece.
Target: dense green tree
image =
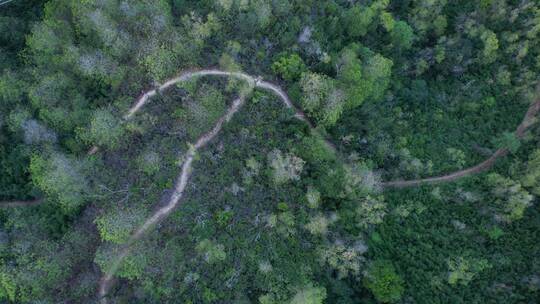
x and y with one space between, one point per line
511 200
116 226
61 177
105 130
289 67
463 269
531 177
402 35
309 295
383 281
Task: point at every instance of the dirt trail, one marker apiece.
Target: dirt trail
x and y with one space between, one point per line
528 120
9 204
107 280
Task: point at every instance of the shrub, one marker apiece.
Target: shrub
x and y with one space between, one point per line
383 281
309 295
62 178
212 252
511 200
105 130
461 270
284 167
290 67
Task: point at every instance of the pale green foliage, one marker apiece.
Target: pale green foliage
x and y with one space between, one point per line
313 197
267 299
427 16
16 119
504 77
132 266
440 54
8 286
284 167
358 19
439 25
370 211
457 157
491 45
321 99
201 30
61 178
160 63
511 200
263 11
251 170
535 28
105 130
149 162
202 111
11 88
225 4
44 39
211 251
116 225
58 101
387 21
227 63
413 165
421 66
282 222
309 294
410 207
360 179
265 266
377 71
345 260
462 270
531 177
318 225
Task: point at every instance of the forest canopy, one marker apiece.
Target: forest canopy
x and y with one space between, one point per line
269 151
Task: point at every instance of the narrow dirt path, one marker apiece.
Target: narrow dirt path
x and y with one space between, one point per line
528 120
107 280
9 204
